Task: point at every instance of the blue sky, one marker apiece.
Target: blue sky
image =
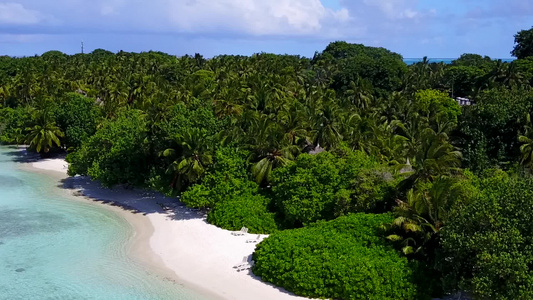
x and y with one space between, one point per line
413 28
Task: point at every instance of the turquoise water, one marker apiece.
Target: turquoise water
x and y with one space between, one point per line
52 247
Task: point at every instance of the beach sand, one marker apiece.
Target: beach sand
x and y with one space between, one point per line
175 241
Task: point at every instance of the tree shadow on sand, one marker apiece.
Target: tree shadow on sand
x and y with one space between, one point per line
19 154
133 200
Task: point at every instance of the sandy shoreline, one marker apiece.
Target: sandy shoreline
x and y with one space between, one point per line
176 243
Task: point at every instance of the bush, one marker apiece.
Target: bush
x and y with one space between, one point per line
232 196
488 130
227 178
487 246
168 128
347 258
13 123
323 187
76 115
180 119
249 211
305 190
437 106
116 153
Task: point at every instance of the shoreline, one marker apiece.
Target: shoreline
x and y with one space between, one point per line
138 248
177 244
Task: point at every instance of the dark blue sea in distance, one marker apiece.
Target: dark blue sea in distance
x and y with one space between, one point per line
410 61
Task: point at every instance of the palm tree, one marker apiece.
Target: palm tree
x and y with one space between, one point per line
359 93
4 93
292 121
193 159
497 76
411 132
225 107
263 169
270 149
419 77
431 153
326 123
527 144
44 134
384 143
422 216
513 77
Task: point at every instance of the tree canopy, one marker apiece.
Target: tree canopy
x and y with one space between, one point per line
524 44
366 170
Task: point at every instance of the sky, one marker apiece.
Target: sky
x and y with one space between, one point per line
413 28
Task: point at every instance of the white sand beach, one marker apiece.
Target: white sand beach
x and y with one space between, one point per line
199 255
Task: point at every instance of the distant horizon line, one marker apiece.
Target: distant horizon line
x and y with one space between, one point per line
513 58
89 52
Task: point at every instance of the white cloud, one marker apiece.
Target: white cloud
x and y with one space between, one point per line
356 20
111 7
391 9
409 13
256 17
17 14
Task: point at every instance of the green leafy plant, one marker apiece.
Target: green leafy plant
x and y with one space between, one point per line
347 258
116 154
244 210
486 246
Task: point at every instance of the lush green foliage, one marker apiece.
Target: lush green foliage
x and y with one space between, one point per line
474 60
244 210
486 247
43 135
437 106
525 68
323 187
382 68
524 44
276 142
347 258
233 197
116 154
77 117
227 178
425 212
13 123
489 130
462 80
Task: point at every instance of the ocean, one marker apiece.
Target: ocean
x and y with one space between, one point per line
410 61
54 247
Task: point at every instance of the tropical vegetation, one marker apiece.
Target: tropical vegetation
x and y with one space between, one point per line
377 180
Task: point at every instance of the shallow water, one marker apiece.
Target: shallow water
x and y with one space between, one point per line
52 247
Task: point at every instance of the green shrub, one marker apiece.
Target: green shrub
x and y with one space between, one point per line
488 131
116 153
76 115
227 179
324 186
180 119
487 246
13 123
232 196
249 211
347 258
437 106
305 190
